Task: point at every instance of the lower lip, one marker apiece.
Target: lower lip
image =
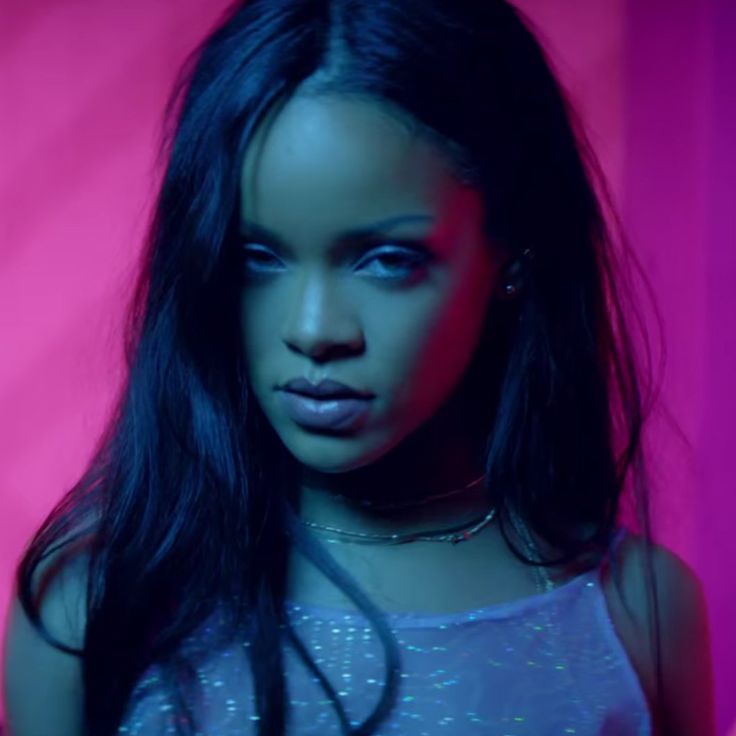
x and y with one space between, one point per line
324 413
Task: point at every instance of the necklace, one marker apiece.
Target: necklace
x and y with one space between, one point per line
397 507
454 534
543 580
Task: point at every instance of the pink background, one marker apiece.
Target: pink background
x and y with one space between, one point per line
82 85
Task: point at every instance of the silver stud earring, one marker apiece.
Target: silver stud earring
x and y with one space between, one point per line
516 268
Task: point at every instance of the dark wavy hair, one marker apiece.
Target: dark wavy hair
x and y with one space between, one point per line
188 501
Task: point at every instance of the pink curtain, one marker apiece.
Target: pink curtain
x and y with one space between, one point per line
679 186
82 85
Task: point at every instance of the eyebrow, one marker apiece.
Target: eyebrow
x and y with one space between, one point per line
251 229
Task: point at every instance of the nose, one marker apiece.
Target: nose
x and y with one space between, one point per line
321 323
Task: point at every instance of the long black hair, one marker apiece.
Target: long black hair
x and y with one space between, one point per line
187 503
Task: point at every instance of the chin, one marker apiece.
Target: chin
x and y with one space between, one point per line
332 456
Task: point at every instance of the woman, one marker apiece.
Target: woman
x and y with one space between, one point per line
386 205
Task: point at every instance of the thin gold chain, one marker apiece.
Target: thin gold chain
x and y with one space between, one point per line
452 535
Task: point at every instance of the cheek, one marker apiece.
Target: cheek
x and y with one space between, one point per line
427 354
431 349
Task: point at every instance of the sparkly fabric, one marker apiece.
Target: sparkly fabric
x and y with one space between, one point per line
550 664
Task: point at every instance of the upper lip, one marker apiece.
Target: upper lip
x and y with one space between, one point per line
326 387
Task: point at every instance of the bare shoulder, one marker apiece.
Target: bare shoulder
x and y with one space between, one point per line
682 617
32 666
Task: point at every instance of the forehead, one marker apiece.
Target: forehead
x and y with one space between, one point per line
324 164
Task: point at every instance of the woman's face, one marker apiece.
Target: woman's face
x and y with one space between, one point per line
395 311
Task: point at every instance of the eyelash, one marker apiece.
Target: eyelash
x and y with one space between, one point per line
413 260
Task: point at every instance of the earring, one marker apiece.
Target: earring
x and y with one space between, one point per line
515 270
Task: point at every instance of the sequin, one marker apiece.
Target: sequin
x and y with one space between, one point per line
545 665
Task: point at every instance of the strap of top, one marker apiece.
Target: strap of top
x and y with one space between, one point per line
610 560
618 538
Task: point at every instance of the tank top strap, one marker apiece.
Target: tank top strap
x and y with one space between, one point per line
617 538
610 559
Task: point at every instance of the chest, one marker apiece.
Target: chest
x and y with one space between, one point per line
473 577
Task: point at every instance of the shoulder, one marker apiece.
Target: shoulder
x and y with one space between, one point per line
63 597
32 666
682 618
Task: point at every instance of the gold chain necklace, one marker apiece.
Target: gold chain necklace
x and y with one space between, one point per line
424 501
454 535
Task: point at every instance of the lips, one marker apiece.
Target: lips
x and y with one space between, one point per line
325 388
327 412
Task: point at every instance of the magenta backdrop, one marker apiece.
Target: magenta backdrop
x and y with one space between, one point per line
82 85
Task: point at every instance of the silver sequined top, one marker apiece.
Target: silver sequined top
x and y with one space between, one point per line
550 664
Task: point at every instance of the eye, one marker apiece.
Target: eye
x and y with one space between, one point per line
394 263
259 255
398 262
